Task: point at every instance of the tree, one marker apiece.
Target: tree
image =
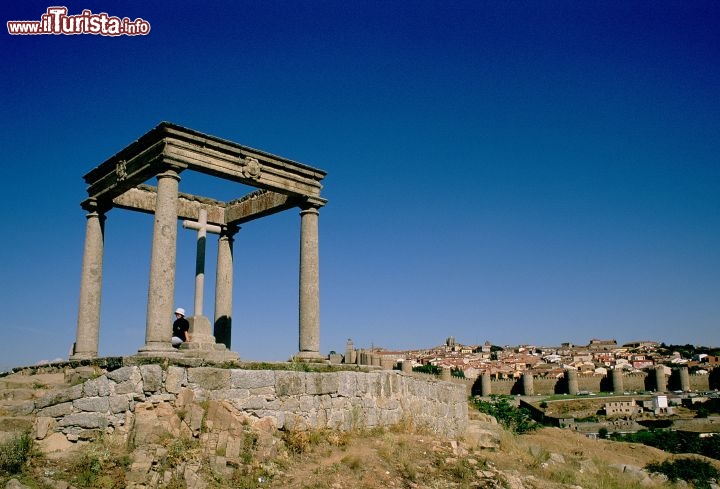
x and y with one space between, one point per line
517 420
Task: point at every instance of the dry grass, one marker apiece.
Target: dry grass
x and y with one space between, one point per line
401 457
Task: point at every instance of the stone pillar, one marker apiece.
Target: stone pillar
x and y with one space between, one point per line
571 375
528 384
375 360
224 286
445 373
617 381
88 323
161 292
660 381
309 286
684 379
485 384
407 366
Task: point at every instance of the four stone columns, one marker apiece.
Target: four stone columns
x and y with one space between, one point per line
224 286
161 290
309 306
161 293
88 324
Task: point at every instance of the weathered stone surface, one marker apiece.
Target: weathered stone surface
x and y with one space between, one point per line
158 398
289 383
92 404
118 404
124 374
84 420
151 377
43 426
176 378
97 387
222 394
252 379
347 384
59 396
209 378
128 380
22 409
153 422
327 383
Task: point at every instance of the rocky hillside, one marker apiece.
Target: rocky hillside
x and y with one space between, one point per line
208 444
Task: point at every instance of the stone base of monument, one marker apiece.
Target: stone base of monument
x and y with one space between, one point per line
156 349
202 343
309 356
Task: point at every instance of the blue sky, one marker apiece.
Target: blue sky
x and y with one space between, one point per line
518 172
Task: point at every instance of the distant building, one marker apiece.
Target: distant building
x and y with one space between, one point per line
621 408
596 344
642 344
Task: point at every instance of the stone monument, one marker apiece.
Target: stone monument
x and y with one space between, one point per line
163 154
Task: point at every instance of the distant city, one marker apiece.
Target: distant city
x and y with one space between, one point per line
510 362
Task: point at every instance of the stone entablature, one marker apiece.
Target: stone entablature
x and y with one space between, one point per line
120 401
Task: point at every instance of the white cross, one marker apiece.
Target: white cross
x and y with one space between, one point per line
202 227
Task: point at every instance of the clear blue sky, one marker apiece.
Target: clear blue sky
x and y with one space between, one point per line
518 172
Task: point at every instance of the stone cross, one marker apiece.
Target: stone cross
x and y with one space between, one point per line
202 227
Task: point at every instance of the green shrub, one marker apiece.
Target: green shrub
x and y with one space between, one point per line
517 420
14 453
694 470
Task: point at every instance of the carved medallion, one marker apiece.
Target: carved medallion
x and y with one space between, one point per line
251 168
121 170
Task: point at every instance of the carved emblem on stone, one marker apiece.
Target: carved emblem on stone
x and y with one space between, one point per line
121 170
251 168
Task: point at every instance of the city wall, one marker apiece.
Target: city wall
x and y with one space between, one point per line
173 396
585 383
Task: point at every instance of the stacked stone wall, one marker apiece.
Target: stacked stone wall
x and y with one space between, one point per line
545 386
699 382
119 400
590 383
634 382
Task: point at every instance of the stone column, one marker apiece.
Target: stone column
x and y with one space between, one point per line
309 286
684 379
660 381
161 293
571 376
485 384
224 286
528 384
617 381
407 366
88 323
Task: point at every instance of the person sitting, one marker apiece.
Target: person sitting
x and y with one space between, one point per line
181 328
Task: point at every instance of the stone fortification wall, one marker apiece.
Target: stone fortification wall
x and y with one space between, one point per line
634 382
545 386
589 383
123 399
699 382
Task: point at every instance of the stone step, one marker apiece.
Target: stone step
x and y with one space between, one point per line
16 408
16 424
19 394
